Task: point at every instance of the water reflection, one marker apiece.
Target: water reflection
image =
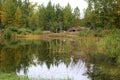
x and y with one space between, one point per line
60 71
26 57
54 59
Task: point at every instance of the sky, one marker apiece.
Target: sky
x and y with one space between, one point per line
74 3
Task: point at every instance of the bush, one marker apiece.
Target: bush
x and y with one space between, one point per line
84 32
37 31
24 31
111 45
7 34
9 31
13 28
99 32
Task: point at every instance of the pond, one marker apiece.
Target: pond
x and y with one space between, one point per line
54 59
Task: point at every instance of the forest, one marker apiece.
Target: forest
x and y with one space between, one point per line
22 14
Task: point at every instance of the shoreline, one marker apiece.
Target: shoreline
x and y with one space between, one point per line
47 36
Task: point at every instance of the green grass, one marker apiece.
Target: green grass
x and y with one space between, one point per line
66 35
12 76
111 46
37 31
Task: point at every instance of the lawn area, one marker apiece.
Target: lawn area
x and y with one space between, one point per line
47 36
11 76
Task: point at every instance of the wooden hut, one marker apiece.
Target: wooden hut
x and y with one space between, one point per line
75 29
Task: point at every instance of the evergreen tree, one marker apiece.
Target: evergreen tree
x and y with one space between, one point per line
67 17
7 12
104 13
76 16
19 3
26 12
23 14
18 18
34 21
1 1
41 15
49 16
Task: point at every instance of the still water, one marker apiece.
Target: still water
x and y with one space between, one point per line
60 71
54 59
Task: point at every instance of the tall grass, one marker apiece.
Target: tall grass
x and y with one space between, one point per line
105 43
37 31
12 76
111 45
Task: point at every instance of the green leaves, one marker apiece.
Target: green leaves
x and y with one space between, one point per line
111 45
24 14
103 13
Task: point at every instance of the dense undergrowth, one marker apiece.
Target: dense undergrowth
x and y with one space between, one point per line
12 76
105 42
111 45
91 41
12 31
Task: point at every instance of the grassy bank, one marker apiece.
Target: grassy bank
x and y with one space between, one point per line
49 36
101 42
89 41
12 76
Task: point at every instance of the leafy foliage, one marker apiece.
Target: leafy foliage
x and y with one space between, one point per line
103 13
23 14
111 45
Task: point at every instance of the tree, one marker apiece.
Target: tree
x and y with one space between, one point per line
59 13
26 12
1 1
18 18
104 13
77 16
19 3
22 13
42 12
58 23
50 16
7 12
77 13
34 21
67 17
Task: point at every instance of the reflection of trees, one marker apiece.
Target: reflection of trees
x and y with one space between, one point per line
52 53
101 72
19 56
22 55
15 58
102 69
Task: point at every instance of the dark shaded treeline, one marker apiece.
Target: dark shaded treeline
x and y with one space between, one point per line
24 14
102 14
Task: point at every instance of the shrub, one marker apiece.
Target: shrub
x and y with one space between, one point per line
9 31
37 31
13 28
99 32
111 45
24 31
7 34
84 32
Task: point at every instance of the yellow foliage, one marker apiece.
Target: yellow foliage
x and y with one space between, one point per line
3 17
